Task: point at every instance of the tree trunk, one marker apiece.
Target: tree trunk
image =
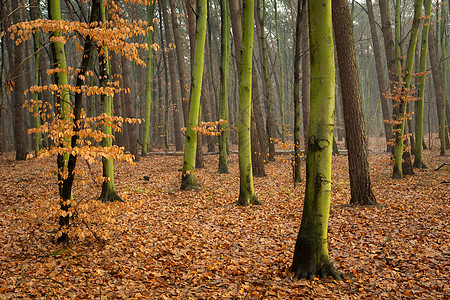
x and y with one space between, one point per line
180 60
399 127
361 188
305 74
267 82
247 192
380 76
442 129
418 151
173 80
128 109
18 67
280 62
109 193
257 133
224 138
148 85
190 148
311 253
436 72
35 14
116 72
297 122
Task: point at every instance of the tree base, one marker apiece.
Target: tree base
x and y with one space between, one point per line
223 170
188 183
419 165
325 270
109 196
244 200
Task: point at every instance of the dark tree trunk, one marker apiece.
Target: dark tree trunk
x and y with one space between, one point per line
18 67
128 109
361 189
436 72
181 61
305 75
173 80
257 134
116 73
380 76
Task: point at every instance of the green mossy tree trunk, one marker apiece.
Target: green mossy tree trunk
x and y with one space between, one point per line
190 148
399 117
418 160
311 252
224 137
148 86
247 191
109 193
65 190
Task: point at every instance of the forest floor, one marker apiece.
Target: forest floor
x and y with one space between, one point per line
163 243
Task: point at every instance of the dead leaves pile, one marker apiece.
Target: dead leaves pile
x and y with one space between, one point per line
166 244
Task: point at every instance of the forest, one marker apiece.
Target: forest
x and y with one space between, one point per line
224 149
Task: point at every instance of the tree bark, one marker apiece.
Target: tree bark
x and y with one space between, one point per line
305 75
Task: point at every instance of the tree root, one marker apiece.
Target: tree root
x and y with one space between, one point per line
325 270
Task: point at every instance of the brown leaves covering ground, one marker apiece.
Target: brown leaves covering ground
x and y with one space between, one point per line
162 243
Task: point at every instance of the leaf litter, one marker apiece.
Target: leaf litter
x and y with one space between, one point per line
163 243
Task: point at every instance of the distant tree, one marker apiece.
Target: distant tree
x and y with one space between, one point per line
443 35
311 252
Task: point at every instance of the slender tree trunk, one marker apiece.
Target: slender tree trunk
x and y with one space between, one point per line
35 14
116 72
418 159
180 60
297 121
305 75
442 129
128 108
247 192
257 132
267 82
361 188
380 76
188 177
311 252
108 187
280 62
173 80
436 72
18 69
224 138
148 85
